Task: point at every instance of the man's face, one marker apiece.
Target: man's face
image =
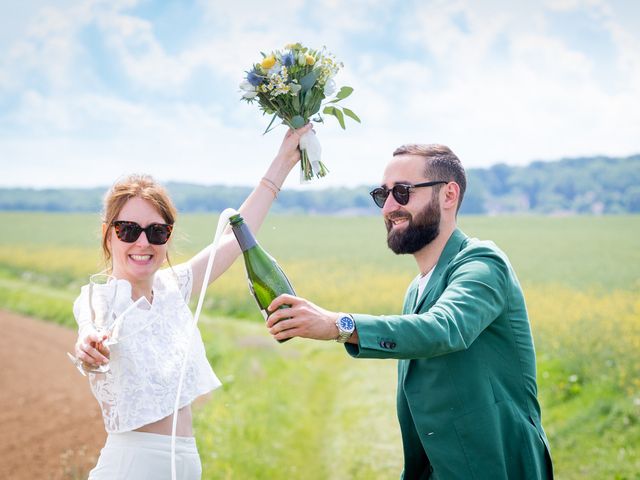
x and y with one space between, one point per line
412 226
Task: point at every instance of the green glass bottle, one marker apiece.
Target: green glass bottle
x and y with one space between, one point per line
266 279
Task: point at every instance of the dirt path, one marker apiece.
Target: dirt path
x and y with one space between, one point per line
50 424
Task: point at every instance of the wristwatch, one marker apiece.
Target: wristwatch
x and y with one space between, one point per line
346 326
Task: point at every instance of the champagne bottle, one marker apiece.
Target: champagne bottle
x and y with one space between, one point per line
266 279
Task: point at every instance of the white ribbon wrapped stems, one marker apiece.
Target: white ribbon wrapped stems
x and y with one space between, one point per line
310 144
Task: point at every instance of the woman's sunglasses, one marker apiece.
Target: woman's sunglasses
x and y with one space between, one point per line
129 232
399 191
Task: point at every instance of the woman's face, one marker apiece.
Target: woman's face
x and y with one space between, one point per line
137 261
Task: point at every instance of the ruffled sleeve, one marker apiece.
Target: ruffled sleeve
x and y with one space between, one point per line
182 274
81 310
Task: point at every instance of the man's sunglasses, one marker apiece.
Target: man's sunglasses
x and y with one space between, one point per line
129 232
399 191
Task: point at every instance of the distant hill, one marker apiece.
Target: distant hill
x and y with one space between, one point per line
576 185
596 185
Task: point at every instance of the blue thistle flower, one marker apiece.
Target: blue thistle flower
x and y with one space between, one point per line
288 59
253 78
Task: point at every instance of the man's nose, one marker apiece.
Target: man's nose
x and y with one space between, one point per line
390 205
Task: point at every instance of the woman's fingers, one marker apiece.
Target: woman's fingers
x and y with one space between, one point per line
104 350
292 137
299 131
92 352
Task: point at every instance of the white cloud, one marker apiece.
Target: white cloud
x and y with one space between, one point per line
140 54
47 50
542 103
486 78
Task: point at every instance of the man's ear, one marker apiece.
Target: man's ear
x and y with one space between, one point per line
451 196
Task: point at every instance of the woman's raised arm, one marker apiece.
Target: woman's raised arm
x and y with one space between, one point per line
254 209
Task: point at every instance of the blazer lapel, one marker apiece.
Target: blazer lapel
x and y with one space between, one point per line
451 248
410 298
409 303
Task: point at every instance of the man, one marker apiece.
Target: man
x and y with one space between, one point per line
467 388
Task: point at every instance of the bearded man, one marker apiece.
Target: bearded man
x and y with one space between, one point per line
467 392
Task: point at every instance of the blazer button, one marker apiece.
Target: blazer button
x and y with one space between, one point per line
383 344
392 345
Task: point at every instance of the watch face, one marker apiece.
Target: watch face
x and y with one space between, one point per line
346 323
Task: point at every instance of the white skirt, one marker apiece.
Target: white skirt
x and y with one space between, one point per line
146 456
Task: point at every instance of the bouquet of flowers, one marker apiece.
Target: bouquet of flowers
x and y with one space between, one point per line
293 84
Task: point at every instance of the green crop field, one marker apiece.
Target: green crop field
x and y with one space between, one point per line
305 409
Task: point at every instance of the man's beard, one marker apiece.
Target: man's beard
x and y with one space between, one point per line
421 230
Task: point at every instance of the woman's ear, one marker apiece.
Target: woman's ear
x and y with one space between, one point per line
105 227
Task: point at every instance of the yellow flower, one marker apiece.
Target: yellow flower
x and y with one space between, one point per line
310 60
268 62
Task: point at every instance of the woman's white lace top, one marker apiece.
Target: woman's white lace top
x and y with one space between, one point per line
145 364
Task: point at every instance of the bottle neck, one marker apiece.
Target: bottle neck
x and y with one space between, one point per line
245 238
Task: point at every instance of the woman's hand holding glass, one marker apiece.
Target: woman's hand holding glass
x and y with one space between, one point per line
91 351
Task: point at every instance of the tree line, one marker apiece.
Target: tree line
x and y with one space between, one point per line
590 185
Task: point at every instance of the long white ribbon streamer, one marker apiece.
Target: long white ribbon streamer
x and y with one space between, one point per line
222 223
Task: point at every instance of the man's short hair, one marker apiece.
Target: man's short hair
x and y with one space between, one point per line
441 164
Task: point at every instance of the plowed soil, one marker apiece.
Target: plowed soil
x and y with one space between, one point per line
50 424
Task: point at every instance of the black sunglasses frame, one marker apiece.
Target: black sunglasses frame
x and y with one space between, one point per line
401 192
157 233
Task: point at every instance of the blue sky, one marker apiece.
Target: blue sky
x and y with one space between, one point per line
93 89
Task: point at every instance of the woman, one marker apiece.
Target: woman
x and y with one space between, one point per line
138 395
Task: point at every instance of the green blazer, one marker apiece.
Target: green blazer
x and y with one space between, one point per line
467 389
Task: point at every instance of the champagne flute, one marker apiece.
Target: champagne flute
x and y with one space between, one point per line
102 296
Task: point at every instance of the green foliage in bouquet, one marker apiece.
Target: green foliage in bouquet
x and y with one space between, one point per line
292 85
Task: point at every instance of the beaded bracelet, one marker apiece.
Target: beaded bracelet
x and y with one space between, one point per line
271 186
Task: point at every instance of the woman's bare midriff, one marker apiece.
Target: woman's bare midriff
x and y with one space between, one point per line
163 426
